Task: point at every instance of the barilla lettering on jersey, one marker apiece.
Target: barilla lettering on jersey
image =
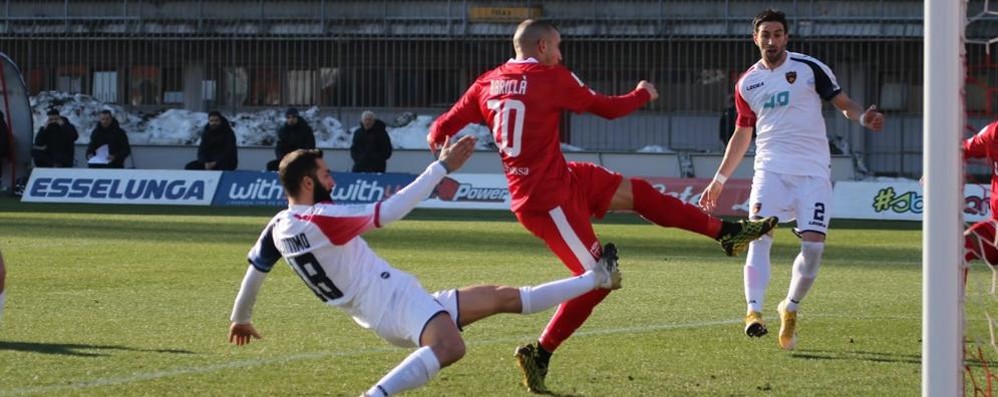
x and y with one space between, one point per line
508 87
452 190
132 189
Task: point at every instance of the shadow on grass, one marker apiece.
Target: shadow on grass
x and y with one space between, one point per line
79 350
876 357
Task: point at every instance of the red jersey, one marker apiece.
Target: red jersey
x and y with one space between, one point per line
521 102
985 145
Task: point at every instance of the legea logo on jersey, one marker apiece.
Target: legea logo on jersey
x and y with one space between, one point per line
779 99
452 190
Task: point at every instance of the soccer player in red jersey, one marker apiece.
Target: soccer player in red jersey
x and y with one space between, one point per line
522 101
980 242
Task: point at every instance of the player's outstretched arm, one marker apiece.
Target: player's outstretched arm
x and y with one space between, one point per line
452 157
241 328
612 107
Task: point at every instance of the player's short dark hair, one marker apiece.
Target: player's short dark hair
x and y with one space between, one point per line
105 111
542 24
52 112
770 15
216 114
295 166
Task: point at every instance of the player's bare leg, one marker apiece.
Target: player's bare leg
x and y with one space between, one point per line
482 301
441 341
533 359
441 345
664 210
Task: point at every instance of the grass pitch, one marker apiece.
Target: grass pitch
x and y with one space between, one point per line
134 300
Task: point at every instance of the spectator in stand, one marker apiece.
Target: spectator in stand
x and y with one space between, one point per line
54 142
217 150
108 143
294 134
371 147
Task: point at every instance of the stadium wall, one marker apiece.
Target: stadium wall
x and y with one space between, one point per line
665 165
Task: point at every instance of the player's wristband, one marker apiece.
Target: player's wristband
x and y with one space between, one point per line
720 179
861 122
443 164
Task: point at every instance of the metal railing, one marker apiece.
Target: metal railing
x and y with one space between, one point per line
420 56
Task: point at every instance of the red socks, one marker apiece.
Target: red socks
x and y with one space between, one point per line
667 211
569 317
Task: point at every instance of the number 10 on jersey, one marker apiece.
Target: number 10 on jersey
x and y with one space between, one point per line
508 110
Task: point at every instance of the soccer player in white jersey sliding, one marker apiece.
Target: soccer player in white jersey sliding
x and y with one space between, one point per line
781 96
321 242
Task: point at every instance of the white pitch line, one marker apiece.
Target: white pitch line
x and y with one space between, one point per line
144 376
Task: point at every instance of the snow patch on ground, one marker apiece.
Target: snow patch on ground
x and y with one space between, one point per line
183 127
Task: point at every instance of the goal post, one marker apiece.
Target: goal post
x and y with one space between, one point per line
942 226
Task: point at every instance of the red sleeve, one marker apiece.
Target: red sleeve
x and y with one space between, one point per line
464 112
746 117
977 145
341 223
579 98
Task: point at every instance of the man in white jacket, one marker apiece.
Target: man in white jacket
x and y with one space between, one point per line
321 242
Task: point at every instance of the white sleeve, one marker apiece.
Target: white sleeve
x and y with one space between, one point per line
406 199
242 311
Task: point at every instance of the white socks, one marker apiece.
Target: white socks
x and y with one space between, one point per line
757 272
417 369
539 298
805 271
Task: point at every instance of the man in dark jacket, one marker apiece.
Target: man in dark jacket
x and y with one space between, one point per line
108 133
293 135
218 146
371 147
54 142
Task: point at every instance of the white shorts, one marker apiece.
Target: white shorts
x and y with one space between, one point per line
808 199
410 308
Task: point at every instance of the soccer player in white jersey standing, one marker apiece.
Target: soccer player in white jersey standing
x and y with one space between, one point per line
781 96
321 242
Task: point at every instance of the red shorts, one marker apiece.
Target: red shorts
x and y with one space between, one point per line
980 242
567 229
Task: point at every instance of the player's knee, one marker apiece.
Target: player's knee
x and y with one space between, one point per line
811 251
449 351
508 300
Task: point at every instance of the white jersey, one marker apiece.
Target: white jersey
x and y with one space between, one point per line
784 105
322 244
